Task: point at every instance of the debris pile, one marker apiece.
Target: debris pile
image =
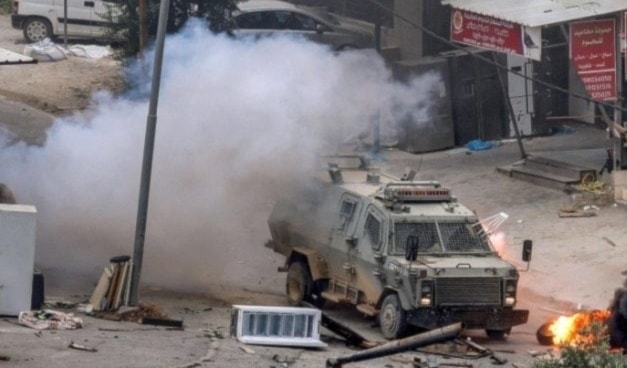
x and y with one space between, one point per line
113 288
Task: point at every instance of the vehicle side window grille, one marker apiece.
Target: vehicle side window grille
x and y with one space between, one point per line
346 212
373 230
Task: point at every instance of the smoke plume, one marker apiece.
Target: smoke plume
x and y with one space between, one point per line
240 122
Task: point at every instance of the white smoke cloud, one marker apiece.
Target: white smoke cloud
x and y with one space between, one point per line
239 123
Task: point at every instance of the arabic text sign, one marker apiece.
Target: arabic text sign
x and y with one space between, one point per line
593 54
494 34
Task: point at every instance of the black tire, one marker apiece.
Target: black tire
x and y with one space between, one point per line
298 285
36 29
498 334
544 334
392 319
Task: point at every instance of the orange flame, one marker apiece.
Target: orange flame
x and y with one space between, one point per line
572 330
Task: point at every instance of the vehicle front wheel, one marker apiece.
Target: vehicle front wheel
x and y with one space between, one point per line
299 284
498 334
392 320
37 29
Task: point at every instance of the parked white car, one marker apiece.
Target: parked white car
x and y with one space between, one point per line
268 17
40 19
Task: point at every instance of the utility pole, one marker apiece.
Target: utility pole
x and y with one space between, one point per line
376 145
149 144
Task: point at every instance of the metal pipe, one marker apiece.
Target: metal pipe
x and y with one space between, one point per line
65 24
149 143
409 343
618 113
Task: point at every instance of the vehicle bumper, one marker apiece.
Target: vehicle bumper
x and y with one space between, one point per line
17 20
479 318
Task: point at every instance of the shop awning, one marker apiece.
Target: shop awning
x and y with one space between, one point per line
535 13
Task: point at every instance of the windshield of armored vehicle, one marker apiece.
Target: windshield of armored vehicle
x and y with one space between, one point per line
438 238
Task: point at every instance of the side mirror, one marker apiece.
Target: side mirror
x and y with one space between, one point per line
527 248
526 252
319 28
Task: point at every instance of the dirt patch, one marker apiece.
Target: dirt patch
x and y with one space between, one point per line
60 87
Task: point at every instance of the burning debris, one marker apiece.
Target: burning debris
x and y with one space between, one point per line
571 330
585 328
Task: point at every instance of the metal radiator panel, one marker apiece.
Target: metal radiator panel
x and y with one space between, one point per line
453 291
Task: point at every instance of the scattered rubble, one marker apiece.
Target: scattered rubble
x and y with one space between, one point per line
247 350
48 319
82 347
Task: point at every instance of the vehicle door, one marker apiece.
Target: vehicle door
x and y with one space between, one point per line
79 13
366 257
343 236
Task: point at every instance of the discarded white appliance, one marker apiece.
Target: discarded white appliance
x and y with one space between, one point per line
17 257
278 326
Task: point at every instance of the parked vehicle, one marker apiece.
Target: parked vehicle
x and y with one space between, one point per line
40 19
401 250
268 17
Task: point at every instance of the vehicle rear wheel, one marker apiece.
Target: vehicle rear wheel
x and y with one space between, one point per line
392 320
299 284
498 334
37 29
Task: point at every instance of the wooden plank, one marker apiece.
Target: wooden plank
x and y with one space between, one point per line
101 289
121 285
113 285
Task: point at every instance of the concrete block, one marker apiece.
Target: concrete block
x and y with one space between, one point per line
619 178
620 193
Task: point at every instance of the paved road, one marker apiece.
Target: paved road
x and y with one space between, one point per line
551 285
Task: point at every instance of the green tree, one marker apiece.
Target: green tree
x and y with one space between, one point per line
124 18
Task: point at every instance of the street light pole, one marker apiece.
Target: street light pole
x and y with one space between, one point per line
149 143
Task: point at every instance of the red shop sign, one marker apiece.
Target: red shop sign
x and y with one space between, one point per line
593 54
487 32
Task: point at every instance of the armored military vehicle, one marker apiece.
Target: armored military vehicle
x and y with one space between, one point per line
401 250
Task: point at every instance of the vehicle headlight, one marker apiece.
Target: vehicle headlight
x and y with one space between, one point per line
509 299
425 293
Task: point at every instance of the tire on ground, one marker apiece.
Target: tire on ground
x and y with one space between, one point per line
392 318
